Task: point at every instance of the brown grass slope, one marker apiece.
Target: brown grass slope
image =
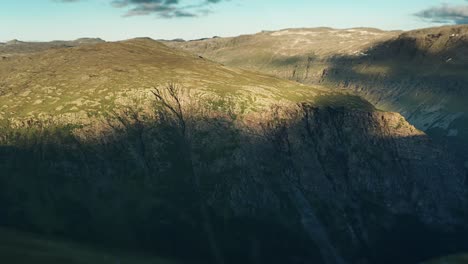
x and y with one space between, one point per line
276 51
93 79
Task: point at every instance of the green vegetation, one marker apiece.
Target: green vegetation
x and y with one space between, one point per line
456 259
99 78
23 248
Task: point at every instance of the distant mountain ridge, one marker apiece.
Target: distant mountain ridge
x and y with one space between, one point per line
15 46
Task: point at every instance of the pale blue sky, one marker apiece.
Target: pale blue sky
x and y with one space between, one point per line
37 20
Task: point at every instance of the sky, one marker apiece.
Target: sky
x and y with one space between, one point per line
45 20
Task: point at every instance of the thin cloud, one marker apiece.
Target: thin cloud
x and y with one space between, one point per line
161 8
445 14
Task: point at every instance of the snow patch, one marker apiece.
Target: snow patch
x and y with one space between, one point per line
363 32
295 32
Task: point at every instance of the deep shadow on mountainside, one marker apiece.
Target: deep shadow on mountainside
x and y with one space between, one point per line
422 75
329 185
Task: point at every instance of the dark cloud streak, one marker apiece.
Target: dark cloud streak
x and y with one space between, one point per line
445 14
161 8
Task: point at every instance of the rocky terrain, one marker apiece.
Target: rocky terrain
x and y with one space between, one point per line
421 74
297 54
139 145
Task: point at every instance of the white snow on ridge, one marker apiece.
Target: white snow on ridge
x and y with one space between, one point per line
313 33
364 32
295 32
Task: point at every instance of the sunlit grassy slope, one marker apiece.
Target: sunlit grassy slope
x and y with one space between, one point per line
75 83
277 51
23 248
93 79
458 259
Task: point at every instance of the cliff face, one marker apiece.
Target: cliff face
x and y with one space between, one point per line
443 45
311 184
421 74
368 177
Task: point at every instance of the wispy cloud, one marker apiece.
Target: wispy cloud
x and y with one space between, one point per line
67 1
446 14
162 8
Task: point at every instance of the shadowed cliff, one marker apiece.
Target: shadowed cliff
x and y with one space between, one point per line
421 74
322 184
